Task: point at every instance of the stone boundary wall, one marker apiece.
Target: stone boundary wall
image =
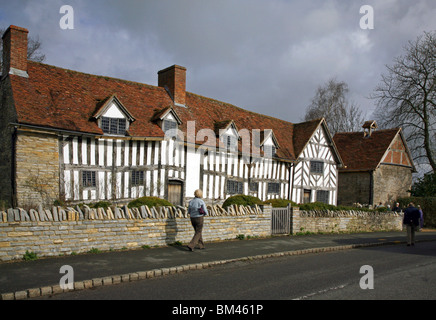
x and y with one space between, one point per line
57 213
326 221
70 230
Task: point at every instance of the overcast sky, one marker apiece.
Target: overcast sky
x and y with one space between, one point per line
267 56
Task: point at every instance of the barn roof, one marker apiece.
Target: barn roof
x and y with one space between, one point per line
361 152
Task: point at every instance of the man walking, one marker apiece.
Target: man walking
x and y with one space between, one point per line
411 220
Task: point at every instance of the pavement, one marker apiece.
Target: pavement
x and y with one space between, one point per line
41 277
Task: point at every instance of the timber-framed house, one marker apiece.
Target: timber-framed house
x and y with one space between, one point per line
77 137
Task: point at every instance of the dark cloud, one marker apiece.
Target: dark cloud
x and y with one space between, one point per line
265 56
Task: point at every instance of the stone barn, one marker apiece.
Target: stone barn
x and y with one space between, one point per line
377 168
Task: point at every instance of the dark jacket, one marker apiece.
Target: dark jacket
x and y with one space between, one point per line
411 216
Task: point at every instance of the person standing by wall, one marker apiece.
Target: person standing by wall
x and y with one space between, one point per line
411 220
396 207
197 210
421 217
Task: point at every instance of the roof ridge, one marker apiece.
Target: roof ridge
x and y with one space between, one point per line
234 106
94 75
375 131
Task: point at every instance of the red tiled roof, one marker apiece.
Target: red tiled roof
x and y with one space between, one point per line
363 154
62 99
302 133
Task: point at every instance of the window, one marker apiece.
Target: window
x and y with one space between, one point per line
230 142
169 125
316 167
137 178
322 196
273 187
113 125
254 186
270 151
88 179
235 187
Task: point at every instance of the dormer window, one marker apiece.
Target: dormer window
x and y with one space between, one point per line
112 117
113 125
231 142
269 151
269 143
228 134
169 124
168 120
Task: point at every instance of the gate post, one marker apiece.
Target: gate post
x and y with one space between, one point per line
295 219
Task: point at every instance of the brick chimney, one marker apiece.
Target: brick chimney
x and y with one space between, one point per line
15 51
173 79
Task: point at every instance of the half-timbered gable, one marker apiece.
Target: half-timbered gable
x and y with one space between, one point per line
109 139
315 173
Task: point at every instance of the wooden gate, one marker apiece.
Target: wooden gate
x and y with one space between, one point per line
281 220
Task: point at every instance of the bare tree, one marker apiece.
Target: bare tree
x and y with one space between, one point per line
330 102
33 49
406 97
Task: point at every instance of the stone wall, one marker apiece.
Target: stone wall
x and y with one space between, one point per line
75 230
354 187
37 168
67 230
345 221
390 183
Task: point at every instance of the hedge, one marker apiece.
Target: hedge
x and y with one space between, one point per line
241 199
280 203
150 202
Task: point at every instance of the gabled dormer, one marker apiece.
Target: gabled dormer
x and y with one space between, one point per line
112 117
269 143
227 132
167 119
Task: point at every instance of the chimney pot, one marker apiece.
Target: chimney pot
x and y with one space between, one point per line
173 79
15 51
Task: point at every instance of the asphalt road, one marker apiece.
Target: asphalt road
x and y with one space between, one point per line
399 272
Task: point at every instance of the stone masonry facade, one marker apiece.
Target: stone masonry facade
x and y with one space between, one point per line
385 185
390 183
37 169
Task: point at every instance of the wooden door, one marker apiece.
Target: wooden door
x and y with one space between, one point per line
306 196
175 193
